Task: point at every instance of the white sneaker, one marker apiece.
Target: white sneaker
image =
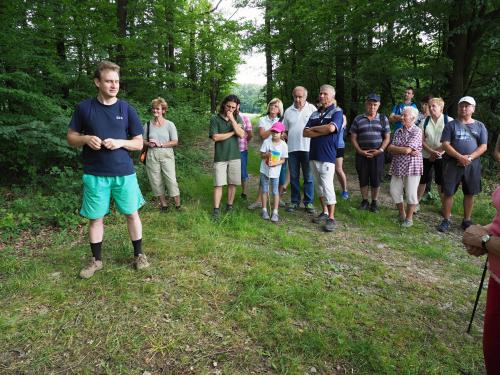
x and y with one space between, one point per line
275 218
265 215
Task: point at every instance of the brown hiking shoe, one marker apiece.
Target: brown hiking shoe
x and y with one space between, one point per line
141 262
89 270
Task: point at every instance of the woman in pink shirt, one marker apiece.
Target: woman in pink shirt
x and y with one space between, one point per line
480 240
247 125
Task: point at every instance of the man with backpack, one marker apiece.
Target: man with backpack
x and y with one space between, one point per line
108 129
433 150
370 136
464 141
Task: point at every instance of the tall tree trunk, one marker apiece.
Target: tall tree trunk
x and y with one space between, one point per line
354 85
121 13
340 72
170 50
467 24
268 52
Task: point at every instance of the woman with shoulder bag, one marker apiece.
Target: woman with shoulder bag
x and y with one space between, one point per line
160 162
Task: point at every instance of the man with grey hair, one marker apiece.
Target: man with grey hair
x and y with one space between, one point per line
295 119
323 129
464 140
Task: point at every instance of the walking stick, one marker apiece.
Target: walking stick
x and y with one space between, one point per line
478 295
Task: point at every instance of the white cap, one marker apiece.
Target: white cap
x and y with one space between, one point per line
468 99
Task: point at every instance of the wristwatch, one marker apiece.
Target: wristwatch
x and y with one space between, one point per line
484 241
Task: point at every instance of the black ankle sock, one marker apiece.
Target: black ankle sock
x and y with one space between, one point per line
137 244
96 250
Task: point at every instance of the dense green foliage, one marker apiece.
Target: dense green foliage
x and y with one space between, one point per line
184 51
53 198
252 98
445 48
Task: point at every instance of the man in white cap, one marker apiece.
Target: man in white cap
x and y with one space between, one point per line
464 141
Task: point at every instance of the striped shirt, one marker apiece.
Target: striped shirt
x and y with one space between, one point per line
370 133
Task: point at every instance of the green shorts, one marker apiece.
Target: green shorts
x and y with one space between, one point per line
98 190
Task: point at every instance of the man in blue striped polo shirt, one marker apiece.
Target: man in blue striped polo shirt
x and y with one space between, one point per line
370 135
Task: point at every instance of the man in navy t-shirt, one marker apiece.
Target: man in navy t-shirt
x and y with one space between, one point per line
323 129
397 111
108 128
464 140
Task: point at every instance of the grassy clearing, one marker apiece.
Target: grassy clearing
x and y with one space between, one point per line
242 296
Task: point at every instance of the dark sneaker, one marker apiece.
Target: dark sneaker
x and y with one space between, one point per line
330 225
374 207
141 262
91 268
229 207
320 219
163 209
244 196
292 207
444 226
310 209
178 208
364 205
466 224
275 218
216 214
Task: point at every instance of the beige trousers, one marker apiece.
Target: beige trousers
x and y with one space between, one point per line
160 167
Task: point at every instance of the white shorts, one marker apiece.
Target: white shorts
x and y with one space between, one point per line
324 173
410 185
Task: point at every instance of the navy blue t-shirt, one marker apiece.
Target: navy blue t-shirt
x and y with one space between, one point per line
324 147
91 117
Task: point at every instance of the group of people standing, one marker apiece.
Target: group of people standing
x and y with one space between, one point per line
423 144
108 128
313 140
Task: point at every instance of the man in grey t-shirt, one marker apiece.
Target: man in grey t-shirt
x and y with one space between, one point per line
464 141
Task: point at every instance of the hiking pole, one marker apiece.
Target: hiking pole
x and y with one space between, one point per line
478 295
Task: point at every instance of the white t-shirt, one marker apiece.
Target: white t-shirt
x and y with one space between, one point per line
265 122
278 151
295 120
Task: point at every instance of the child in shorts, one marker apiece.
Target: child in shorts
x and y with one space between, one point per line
274 153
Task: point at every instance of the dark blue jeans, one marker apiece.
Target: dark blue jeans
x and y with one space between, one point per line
300 160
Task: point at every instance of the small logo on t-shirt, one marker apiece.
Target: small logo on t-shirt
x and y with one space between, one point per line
119 117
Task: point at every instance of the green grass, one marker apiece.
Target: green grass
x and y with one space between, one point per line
243 296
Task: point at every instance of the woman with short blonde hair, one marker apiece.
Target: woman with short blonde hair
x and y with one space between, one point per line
160 136
433 151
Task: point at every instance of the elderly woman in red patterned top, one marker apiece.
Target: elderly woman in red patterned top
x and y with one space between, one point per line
407 165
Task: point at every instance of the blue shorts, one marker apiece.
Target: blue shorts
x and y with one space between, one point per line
98 190
264 184
244 163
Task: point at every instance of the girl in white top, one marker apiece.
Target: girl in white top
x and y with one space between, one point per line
274 153
274 112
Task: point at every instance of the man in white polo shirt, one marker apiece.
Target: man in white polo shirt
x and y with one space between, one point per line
295 119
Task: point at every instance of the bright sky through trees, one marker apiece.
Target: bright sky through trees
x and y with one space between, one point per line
253 70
